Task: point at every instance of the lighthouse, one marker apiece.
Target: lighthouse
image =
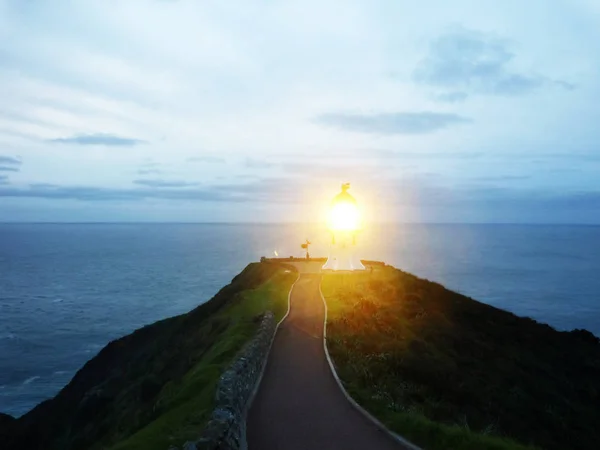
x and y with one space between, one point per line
344 224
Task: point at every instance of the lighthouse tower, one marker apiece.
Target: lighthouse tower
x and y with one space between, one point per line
344 224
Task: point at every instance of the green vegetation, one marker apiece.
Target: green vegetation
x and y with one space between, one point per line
155 387
448 372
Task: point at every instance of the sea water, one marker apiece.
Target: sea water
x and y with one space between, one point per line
66 290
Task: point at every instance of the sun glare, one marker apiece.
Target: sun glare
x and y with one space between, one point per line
344 216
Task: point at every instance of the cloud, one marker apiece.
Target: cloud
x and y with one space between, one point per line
209 91
465 61
565 85
417 199
503 178
206 159
411 155
149 171
8 164
253 163
393 123
281 190
574 156
9 160
110 140
9 169
582 199
356 156
464 201
150 163
262 190
89 193
325 170
164 183
452 97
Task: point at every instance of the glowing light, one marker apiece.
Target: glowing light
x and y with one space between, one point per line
344 216
344 223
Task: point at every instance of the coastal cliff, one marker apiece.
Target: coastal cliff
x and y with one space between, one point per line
447 371
154 388
433 365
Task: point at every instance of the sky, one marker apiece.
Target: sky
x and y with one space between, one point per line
256 111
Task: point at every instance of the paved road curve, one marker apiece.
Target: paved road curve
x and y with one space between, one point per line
299 406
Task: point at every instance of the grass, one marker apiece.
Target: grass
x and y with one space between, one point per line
448 372
155 387
188 403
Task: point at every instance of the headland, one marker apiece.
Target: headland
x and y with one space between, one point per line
434 366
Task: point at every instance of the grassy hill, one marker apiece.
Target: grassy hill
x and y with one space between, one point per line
155 387
448 372
440 368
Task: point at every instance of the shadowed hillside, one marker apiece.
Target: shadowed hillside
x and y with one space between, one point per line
449 372
445 371
154 387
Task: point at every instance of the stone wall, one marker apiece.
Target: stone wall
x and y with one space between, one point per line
226 429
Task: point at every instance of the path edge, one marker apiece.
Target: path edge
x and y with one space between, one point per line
244 440
409 445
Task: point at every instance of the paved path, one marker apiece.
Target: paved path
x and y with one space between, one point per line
299 406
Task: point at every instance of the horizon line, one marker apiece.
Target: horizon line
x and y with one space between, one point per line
592 224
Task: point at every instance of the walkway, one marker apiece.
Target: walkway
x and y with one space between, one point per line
299 406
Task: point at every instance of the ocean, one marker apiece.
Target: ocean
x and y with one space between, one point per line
66 290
